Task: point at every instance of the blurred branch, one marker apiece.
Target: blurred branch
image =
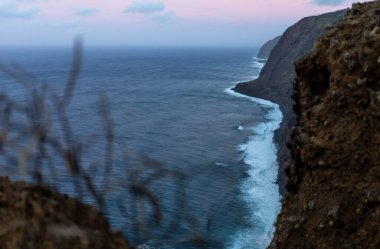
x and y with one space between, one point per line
75 70
38 140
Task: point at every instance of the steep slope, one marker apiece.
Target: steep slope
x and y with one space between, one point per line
36 217
276 79
267 48
334 199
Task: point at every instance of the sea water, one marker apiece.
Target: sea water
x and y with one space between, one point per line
175 106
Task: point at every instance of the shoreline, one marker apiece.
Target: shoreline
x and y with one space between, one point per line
260 154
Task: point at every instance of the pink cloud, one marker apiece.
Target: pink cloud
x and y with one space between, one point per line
223 10
248 10
179 22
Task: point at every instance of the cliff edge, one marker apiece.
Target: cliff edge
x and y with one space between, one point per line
275 82
276 79
265 49
334 178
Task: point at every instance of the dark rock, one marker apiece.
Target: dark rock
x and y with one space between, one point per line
373 197
346 185
276 78
265 50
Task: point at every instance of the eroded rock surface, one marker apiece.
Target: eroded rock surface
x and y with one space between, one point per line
277 77
334 198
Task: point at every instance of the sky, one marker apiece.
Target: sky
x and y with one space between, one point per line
153 22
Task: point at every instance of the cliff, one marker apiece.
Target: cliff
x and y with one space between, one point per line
275 82
267 48
334 198
37 217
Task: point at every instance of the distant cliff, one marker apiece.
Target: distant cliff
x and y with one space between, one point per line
267 48
334 198
276 79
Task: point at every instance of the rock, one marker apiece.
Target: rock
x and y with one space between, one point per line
275 82
373 197
361 82
37 217
311 204
333 212
267 48
347 187
293 219
321 163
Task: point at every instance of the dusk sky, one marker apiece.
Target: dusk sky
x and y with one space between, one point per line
153 22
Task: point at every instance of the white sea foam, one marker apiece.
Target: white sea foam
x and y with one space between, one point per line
258 62
239 128
221 164
260 190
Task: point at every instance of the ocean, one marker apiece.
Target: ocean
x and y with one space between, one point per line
173 108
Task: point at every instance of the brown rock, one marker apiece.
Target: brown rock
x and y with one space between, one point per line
276 78
339 168
36 217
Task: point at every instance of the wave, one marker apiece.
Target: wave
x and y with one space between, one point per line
259 63
260 190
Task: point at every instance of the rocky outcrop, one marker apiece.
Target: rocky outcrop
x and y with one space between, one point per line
267 48
276 78
37 217
334 198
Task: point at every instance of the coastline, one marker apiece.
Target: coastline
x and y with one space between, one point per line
334 188
277 77
260 153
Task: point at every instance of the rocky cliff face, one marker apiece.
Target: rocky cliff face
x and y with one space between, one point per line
334 198
267 48
276 79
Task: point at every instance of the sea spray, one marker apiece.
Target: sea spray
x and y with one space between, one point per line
260 190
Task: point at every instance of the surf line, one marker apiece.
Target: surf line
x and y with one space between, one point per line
260 189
